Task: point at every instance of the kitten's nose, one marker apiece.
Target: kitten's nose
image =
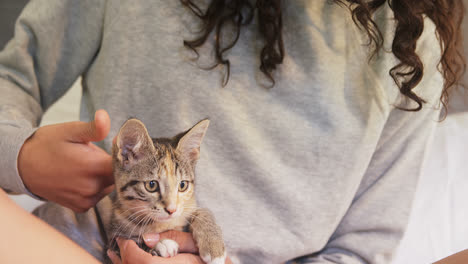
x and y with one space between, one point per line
170 210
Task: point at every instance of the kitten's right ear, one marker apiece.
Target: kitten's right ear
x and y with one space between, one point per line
133 143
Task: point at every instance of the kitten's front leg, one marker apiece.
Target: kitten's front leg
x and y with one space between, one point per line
208 237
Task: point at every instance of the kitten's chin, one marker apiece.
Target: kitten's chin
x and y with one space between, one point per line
164 219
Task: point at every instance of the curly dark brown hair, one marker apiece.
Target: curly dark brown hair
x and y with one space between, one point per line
447 16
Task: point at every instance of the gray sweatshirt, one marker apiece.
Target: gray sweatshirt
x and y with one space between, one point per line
321 166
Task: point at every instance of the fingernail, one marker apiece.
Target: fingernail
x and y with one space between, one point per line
95 115
109 253
151 239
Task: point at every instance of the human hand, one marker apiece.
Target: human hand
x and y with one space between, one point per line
59 163
131 253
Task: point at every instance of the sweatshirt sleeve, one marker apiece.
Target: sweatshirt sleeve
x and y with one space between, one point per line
54 43
376 220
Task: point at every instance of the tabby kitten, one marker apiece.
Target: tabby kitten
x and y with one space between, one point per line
154 191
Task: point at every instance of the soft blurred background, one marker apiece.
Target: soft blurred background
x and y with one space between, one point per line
438 224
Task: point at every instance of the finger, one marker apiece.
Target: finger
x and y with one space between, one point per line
71 200
184 239
131 253
105 192
101 116
102 124
95 160
113 257
98 165
93 131
104 168
108 190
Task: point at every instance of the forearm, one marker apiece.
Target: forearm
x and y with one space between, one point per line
28 239
459 258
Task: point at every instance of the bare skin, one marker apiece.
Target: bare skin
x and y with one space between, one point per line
132 254
459 258
47 244
60 164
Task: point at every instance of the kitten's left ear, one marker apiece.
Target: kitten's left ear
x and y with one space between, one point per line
189 144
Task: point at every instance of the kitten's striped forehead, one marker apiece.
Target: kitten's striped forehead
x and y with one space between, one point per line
169 164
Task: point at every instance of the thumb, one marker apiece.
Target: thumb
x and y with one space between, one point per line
131 253
95 130
113 257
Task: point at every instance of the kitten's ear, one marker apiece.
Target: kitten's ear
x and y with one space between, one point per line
133 143
189 144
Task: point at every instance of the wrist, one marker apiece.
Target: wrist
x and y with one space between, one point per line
13 143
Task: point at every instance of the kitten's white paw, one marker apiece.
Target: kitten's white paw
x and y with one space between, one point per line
167 248
219 260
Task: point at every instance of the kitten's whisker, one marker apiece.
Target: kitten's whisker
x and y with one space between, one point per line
130 217
138 224
145 224
133 208
122 227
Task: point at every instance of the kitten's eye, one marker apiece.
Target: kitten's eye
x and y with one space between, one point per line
183 186
151 186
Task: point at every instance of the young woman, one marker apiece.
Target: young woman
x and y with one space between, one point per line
321 112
